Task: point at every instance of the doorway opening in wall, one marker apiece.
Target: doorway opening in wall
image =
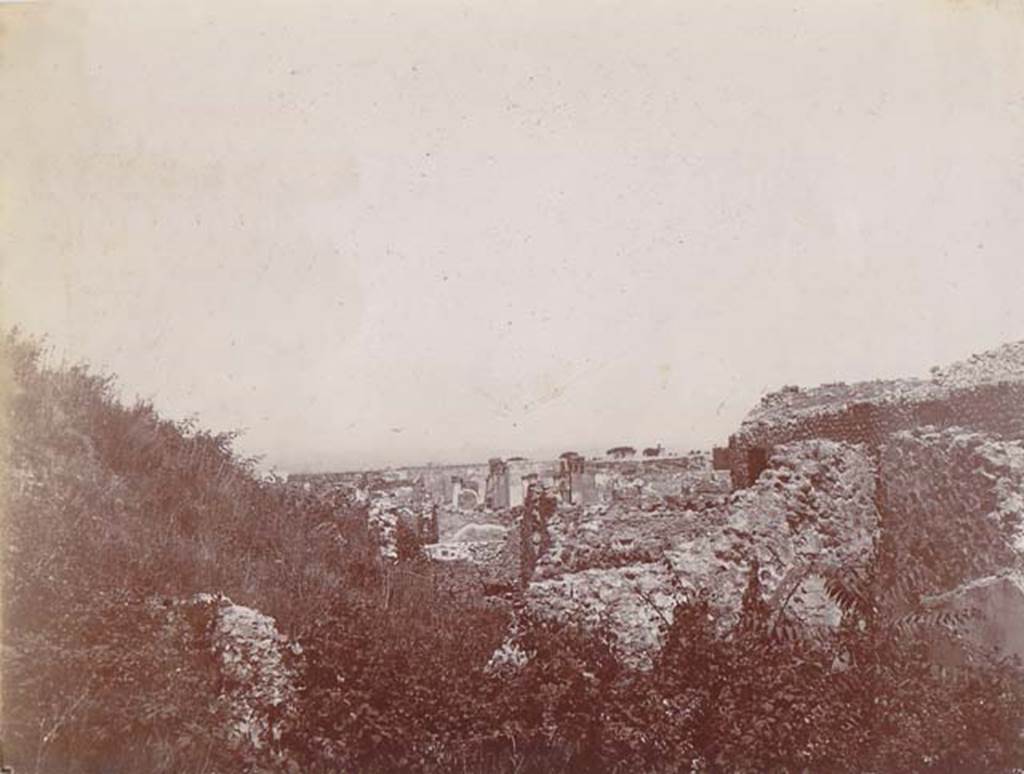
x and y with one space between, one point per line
757 461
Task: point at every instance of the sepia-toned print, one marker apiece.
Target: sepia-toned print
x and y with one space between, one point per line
455 387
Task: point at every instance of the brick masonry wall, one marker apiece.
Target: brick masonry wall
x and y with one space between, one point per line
995 408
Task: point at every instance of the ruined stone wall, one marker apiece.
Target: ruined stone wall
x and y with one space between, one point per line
521 473
258 667
437 482
994 408
814 510
720 458
533 529
496 494
582 487
992 608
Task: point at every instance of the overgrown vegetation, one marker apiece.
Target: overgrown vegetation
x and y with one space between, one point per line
110 508
107 508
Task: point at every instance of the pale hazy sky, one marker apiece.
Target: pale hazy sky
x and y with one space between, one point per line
374 232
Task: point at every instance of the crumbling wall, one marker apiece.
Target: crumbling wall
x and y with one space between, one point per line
521 473
533 532
812 511
576 481
952 504
610 535
497 492
720 459
996 408
257 666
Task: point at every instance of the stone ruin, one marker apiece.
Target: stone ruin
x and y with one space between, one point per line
508 481
461 513
496 568
257 667
812 479
983 393
627 568
930 470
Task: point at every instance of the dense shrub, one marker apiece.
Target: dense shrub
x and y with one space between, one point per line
107 508
107 685
762 698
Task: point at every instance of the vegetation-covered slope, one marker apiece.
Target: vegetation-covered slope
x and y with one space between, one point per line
107 508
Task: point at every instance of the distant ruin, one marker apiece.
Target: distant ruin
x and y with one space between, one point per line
440 499
807 482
